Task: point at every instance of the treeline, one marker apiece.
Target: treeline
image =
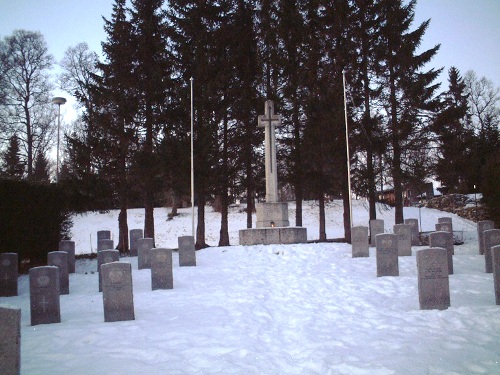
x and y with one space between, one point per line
132 144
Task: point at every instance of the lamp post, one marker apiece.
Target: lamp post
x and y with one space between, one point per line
475 200
192 161
59 101
347 150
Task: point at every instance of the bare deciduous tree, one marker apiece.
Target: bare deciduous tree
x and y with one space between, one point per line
484 102
27 109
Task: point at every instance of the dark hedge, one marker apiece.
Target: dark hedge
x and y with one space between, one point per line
33 219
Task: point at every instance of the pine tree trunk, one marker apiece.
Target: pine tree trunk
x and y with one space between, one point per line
29 139
372 196
346 215
200 229
224 225
175 203
322 220
367 120
149 222
123 243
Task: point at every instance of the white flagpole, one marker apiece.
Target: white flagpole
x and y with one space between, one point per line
347 150
192 161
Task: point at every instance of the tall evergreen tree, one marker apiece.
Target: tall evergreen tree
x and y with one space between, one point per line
245 102
408 90
152 71
341 57
315 85
116 97
267 20
13 165
453 133
291 33
366 27
195 37
41 171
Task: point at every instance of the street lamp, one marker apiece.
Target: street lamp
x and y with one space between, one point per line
59 101
475 201
192 160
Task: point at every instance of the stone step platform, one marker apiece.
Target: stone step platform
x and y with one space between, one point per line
270 236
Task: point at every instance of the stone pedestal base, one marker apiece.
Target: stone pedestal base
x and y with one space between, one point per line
268 236
271 215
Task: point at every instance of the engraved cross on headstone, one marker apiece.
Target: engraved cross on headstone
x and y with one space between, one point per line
44 303
269 121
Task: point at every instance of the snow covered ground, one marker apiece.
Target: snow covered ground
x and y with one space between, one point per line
279 309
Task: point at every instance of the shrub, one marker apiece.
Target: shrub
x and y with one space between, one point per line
33 219
491 188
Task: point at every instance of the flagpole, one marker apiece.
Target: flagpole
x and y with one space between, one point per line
347 150
192 160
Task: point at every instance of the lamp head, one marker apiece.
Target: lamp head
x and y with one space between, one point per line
59 100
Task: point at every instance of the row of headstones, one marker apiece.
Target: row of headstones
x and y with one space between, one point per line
408 235
434 264
141 247
10 318
115 280
64 259
47 283
489 246
377 227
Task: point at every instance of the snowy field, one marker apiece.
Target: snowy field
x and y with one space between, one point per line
279 309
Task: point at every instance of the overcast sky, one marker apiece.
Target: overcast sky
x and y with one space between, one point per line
468 30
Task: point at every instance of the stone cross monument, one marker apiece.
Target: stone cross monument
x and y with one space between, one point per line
271 213
272 226
269 121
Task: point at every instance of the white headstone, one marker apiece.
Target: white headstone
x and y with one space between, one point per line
495 253
44 295
117 292
69 247
443 240
415 232
491 237
481 227
144 246
359 242
403 231
433 280
161 269
8 274
135 234
187 251
387 255
376 227
10 342
104 257
59 259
